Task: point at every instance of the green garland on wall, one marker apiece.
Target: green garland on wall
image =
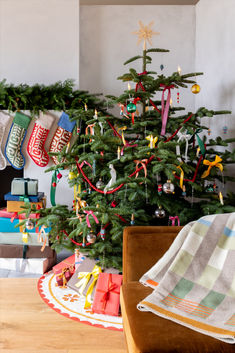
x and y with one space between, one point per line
59 96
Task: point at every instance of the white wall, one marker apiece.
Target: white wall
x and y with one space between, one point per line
107 42
39 43
39 40
215 56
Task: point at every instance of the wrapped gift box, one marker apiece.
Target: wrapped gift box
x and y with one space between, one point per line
19 239
87 265
15 215
39 266
8 226
107 294
15 206
36 198
29 251
67 263
24 186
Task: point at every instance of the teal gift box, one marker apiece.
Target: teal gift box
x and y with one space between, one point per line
24 186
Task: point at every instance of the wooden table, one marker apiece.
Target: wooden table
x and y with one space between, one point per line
29 325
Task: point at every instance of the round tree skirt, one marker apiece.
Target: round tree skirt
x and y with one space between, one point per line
67 302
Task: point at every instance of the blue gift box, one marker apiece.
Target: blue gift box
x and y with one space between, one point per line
37 198
6 226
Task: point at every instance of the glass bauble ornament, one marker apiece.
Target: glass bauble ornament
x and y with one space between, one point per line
160 213
99 184
91 238
161 66
29 224
72 175
131 108
225 129
168 187
195 88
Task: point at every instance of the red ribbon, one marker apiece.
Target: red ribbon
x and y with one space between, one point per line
165 108
110 288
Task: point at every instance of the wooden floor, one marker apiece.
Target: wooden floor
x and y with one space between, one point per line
29 325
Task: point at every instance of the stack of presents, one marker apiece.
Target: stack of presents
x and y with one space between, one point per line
25 248
101 290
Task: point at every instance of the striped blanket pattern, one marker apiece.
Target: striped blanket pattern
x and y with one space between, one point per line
194 282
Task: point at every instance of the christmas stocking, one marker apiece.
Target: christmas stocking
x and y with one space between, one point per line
4 120
15 140
62 135
37 140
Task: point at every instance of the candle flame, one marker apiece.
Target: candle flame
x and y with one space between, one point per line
129 86
179 70
85 107
96 113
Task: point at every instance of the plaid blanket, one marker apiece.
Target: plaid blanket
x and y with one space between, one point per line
194 282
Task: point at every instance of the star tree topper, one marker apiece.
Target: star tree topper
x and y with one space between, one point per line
145 33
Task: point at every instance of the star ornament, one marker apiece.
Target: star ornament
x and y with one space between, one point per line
145 33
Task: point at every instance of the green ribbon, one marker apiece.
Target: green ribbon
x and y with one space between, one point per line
25 248
24 198
200 142
53 188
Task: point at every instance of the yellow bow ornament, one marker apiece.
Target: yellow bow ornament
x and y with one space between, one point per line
216 163
153 141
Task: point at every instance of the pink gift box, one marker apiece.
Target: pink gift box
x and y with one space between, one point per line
5 214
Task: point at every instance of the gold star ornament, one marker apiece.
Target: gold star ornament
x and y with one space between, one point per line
145 33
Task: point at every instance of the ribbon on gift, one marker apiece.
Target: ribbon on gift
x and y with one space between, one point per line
41 239
215 163
165 108
186 137
62 276
91 213
91 128
110 288
153 140
173 219
84 279
143 163
24 198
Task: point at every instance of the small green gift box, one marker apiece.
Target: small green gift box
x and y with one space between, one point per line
24 186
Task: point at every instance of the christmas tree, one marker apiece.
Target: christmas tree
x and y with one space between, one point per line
151 165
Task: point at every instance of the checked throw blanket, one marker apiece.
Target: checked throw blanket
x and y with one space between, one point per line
194 282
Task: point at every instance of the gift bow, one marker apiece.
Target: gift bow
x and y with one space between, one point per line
173 219
62 275
154 140
215 163
110 288
165 109
85 277
143 163
90 213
